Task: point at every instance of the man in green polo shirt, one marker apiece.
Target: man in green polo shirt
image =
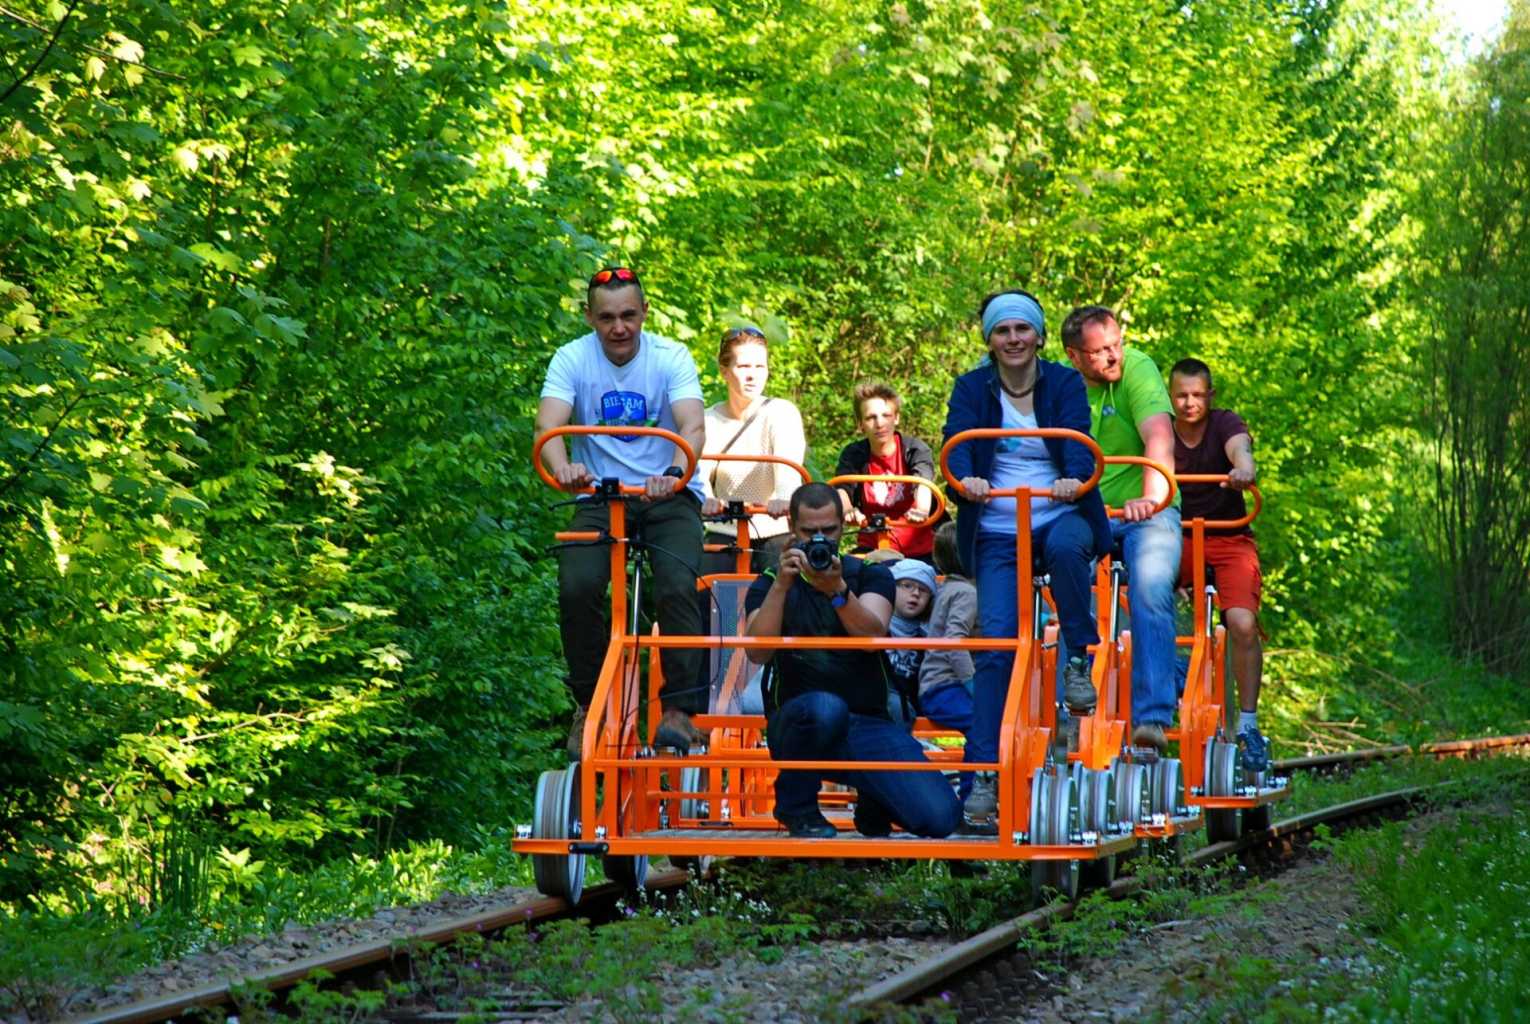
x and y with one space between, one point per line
1130 414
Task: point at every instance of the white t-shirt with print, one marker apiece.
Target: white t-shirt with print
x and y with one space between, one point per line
641 393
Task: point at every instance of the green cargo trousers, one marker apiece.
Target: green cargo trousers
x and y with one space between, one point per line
672 529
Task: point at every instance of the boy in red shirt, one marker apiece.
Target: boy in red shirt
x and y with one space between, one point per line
884 451
1208 440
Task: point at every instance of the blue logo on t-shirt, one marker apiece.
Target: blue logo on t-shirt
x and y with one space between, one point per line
624 409
1108 410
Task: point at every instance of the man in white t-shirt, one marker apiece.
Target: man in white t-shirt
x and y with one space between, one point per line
620 375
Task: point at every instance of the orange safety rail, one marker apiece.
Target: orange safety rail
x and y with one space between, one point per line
743 543
884 532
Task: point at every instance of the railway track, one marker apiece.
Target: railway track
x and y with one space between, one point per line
373 964
979 964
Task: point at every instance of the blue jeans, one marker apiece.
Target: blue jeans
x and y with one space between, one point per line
819 726
1066 545
1152 551
949 705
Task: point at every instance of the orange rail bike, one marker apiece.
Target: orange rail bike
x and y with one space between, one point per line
626 801
882 527
1233 799
1047 805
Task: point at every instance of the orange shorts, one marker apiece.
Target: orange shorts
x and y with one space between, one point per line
1235 561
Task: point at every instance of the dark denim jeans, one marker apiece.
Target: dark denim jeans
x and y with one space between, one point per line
819 726
1066 545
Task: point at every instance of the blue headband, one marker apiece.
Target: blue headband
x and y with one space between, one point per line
1013 307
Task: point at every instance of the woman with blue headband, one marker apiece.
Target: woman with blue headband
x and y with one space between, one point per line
1015 388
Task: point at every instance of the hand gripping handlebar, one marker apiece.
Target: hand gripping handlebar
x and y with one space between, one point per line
1157 467
1224 524
918 481
983 433
753 509
668 435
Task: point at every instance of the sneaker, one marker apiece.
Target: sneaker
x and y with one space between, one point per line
1150 734
872 819
575 743
807 825
675 730
983 802
1256 752
1078 689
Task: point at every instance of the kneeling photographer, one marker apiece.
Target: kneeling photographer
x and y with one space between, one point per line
831 705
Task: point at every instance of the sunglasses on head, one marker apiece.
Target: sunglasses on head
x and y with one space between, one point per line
743 332
613 273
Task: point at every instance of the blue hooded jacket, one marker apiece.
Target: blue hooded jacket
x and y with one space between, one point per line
1060 400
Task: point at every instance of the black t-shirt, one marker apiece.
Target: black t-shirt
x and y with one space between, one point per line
1211 501
860 677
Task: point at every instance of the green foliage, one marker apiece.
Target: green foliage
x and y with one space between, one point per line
48 959
279 282
1472 307
1443 902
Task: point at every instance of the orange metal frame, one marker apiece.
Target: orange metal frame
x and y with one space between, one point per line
1205 701
632 798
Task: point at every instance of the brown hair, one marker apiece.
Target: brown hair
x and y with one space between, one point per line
876 389
1073 326
947 558
733 337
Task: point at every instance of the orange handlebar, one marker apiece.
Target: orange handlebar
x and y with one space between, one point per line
776 459
983 433
1157 467
572 428
1224 524
918 481
760 510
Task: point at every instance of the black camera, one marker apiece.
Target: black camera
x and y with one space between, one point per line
820 551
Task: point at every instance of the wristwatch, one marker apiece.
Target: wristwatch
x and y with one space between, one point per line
675 471
839 600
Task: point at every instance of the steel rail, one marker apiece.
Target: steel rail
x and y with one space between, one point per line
1442 749
929 974
375 952
926 976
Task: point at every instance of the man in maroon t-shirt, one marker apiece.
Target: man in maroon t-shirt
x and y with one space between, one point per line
1208 440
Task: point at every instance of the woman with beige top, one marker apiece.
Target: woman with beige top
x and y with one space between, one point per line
749 423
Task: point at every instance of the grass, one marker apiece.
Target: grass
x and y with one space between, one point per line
1451 908
1443 933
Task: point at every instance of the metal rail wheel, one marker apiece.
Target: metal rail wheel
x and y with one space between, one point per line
556 816
1222 773
1054 818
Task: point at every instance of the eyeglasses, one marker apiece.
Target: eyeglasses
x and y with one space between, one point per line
1095 353
619 273
743 332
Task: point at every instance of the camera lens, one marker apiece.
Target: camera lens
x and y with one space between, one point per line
819 551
